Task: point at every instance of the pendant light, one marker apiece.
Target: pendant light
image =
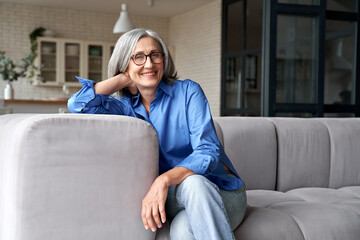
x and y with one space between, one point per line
123 24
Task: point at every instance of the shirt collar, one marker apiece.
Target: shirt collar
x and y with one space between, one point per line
166 88
163 86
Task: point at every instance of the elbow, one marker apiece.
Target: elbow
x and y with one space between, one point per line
74 106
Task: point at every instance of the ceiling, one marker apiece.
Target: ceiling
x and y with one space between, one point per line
161 8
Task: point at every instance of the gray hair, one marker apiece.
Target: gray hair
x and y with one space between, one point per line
125 46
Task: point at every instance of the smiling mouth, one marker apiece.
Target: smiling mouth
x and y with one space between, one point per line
149 74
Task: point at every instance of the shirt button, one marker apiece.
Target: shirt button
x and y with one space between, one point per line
83 104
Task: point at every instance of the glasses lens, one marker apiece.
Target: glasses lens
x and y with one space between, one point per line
139 58
156 57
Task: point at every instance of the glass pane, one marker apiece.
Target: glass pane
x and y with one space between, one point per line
233 82
95 62
301 115
235 26
72 61
342 5
254 24
304 2
339 81
253 82
296 60
111 50
336 115
48 61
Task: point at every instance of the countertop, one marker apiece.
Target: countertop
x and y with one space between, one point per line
38 101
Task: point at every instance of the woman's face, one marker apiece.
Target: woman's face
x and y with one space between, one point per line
148 75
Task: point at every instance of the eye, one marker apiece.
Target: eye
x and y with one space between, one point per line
156 54
139 56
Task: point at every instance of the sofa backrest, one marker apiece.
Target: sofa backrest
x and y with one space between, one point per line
345 151
251 145
75 176
287 153
303 153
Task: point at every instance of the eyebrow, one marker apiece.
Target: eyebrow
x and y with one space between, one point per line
152 51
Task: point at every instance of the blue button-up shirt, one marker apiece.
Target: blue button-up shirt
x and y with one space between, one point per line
181 116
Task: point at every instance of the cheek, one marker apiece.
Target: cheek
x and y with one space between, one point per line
132 71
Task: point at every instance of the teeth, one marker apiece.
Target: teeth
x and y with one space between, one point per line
148 74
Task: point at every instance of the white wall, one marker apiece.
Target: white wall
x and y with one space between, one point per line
196 37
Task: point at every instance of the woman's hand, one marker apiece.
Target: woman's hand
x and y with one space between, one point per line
130 84
114 84
153 205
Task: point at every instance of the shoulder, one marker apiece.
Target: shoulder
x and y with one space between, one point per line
187 85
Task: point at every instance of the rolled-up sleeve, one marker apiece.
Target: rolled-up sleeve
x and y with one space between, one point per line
86 101
205 156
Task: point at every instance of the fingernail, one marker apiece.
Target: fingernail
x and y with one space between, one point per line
163 221
146 227
153 229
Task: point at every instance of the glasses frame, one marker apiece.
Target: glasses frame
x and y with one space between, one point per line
146 57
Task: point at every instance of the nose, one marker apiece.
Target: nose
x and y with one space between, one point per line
148 62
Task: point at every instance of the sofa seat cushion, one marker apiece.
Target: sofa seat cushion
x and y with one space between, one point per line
269 224
355 190
266 198
323 195
304 213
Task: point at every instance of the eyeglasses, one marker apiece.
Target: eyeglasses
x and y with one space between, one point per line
140 58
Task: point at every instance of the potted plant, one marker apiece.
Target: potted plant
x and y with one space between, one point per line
11 71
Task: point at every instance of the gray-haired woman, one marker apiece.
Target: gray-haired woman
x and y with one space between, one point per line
198 188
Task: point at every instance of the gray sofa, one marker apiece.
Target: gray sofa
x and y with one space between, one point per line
68 176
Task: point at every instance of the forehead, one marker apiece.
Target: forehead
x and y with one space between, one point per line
146 45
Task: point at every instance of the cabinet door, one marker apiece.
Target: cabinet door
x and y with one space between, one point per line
48 61
73 62
109 48
94 61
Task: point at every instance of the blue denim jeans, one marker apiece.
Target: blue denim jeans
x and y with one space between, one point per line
200 210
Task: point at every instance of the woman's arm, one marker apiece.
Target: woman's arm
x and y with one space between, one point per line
94 97
114 84
153 205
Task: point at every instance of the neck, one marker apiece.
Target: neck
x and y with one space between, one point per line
147 95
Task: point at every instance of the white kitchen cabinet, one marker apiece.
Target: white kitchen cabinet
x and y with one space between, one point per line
60 60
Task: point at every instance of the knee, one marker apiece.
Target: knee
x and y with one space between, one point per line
197 185
180 227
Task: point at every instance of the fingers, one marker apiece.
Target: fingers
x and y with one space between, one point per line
156 216
162 213
152 218
149 219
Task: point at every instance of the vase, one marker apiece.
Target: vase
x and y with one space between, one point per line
8 92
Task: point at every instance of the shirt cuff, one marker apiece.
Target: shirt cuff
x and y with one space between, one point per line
85 99
198 163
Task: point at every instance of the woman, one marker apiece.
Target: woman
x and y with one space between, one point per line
197 187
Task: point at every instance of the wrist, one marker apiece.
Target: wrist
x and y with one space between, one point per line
164 180
122 80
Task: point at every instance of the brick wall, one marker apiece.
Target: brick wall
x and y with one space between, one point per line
17 21
196 38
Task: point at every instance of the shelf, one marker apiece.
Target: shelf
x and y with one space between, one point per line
72 70
95 72
95 57
48 54
48 69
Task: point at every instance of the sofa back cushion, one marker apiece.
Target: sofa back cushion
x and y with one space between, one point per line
345 151
250 143
303 153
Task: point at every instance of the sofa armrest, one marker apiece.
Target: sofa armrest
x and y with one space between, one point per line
75 176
